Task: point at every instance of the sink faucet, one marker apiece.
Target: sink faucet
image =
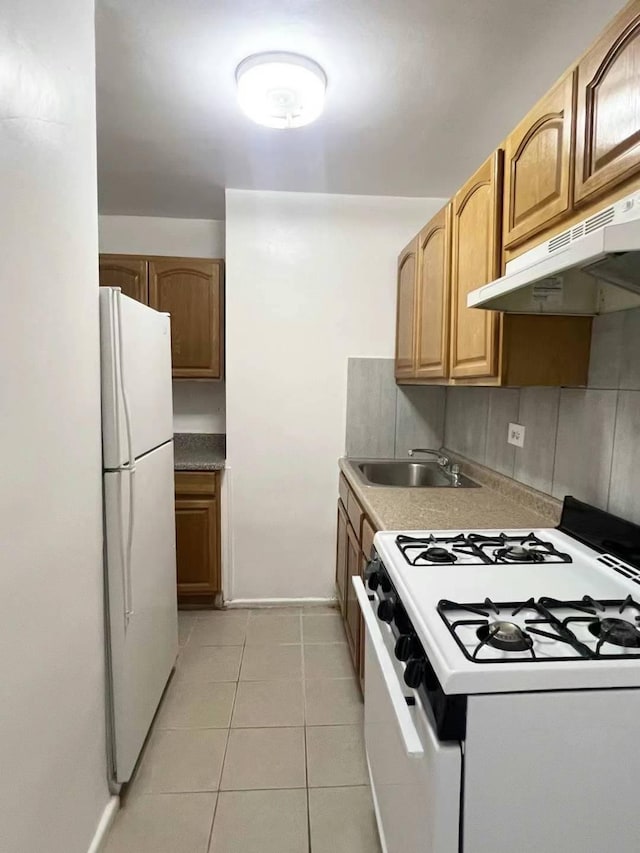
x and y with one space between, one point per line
443 459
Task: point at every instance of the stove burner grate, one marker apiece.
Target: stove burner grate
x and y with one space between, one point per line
481 549
618 632
505 635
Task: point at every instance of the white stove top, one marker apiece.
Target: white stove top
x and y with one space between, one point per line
569 572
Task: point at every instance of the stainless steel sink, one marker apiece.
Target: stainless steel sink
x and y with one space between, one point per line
408 474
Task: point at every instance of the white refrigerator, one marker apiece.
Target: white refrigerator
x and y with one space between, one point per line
139 520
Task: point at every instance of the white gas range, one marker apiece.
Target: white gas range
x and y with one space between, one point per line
502 686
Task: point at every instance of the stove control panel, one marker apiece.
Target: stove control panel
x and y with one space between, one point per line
449 711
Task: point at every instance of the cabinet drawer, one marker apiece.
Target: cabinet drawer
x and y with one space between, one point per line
196 482
343 490
355 513
368 533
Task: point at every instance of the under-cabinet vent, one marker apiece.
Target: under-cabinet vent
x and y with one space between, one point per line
558 242
624 569
599 220
593 223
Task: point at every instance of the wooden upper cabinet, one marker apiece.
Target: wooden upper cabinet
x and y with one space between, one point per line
475 261
608 114
126 272
432 309
406 308
191 292
537 187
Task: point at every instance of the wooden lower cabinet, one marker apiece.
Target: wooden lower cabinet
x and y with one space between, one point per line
352 608
197 503
352 553
341 558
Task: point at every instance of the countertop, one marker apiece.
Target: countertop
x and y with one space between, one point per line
499 503
193 451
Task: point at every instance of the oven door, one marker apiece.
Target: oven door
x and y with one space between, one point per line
415 777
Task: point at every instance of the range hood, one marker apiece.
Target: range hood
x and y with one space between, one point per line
592 268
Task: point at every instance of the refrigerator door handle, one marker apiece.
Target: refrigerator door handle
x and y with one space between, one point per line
123 388
129 608
123 547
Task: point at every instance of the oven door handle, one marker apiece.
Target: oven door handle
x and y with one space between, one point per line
408 732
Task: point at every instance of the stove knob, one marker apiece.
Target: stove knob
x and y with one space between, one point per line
404 647
374 580
414 672
386 610
385 583
403 623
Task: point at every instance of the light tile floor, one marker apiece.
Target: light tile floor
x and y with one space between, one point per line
257 746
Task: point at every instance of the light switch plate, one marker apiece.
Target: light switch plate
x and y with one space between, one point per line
515 435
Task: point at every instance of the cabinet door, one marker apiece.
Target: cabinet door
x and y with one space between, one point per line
191 292
361 675
434 282
196 545
475 261
341 558
538 165
406 310
352 615
197 537
126 272
608 117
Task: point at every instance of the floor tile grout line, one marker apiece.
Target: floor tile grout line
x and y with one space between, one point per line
226 748
306 751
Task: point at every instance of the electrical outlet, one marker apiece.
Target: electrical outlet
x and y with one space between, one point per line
515 435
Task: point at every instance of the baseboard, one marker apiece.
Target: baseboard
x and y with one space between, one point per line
104 825
281 602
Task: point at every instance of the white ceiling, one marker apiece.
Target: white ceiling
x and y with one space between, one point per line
420 92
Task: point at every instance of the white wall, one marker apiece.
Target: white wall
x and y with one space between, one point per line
53 786
197 406
156 235
310 282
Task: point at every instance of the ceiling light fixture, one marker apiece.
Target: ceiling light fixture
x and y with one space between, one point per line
281 89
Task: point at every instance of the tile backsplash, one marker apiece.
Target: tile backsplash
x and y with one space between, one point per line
579 441
385 420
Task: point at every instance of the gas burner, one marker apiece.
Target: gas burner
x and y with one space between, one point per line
477 549
506 636
619 632
438 555
547 628
519 554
